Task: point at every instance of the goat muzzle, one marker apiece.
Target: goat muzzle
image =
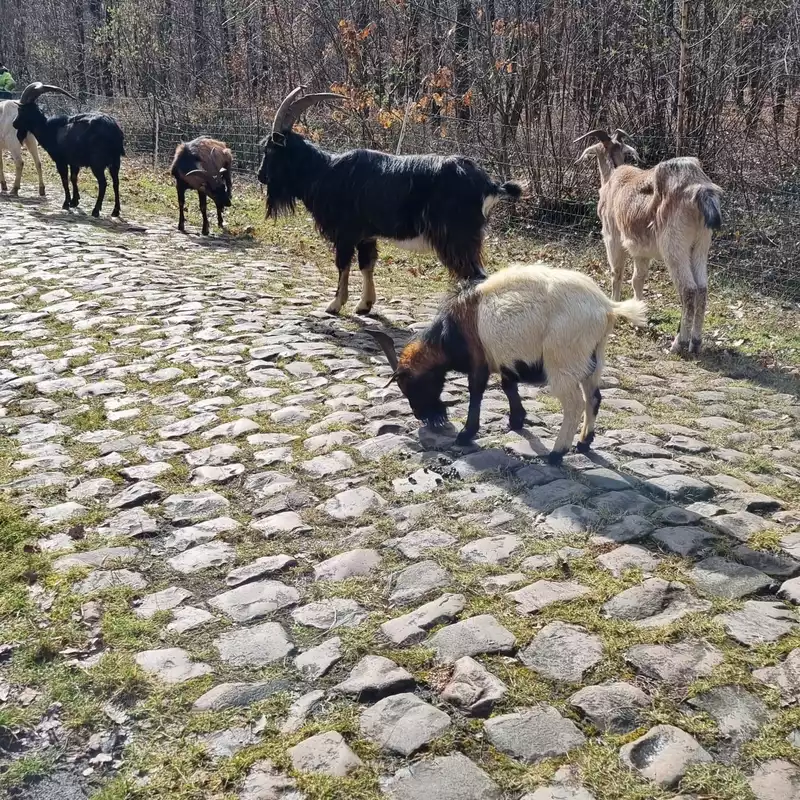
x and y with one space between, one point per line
33 90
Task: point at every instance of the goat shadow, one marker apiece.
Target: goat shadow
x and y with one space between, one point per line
23 200
66 219
741 366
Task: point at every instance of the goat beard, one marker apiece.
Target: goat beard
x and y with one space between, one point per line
279 206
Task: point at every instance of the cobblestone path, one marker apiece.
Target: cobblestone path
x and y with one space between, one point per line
252 576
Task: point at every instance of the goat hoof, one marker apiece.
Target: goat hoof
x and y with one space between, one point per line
15 193
96 214
465 438
516 423
42 192
115 212
65 207
556 457
584 444
204 232
678 347
694 346
3 187
333 309
365 309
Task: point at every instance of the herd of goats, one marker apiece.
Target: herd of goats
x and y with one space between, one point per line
526 323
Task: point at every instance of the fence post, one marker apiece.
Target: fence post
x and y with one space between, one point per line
155 134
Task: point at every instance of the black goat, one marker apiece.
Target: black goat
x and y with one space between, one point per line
203 165
422 203
91 140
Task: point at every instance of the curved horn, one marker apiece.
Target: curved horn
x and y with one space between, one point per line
299 106
33 90
278 124
387 345
598 133
620 135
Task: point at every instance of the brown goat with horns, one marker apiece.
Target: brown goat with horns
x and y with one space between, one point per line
666 212
203 165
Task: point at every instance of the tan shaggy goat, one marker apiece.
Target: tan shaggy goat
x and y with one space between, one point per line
666 212
530 324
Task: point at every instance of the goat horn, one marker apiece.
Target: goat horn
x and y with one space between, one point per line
33 90
299 106
620 135
278 124
387 345
599 133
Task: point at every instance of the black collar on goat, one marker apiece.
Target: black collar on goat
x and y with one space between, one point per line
82 140
423 203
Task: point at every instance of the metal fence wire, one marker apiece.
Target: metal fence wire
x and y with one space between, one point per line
761 207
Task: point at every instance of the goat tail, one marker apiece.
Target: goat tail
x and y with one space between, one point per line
512 190
634 311
707 198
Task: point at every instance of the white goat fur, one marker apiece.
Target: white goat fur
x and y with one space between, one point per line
560 319
9 141
658 213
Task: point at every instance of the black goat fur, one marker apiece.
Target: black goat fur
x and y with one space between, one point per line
215 160
90 139
359 196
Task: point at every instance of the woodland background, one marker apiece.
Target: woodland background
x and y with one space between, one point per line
509 82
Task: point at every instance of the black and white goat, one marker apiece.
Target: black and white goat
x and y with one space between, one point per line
422 203
90 139
666 212
8 141
203 165
527 323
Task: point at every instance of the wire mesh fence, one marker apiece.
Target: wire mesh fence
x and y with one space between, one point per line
761 207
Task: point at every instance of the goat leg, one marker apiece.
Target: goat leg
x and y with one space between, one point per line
181 189
478 380
344 255
76 195
696 341
100 174
367 258
516 411
114 170
681 343
17 174
62 171
204 211
572 404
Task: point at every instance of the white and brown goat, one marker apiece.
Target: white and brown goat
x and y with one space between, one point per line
527 323
666 212
204 165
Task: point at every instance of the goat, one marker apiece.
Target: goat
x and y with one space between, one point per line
90 139
9 141
666 212
528 323
203 165
422 203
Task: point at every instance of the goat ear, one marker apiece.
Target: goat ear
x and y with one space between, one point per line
387 345
630 151
587 155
